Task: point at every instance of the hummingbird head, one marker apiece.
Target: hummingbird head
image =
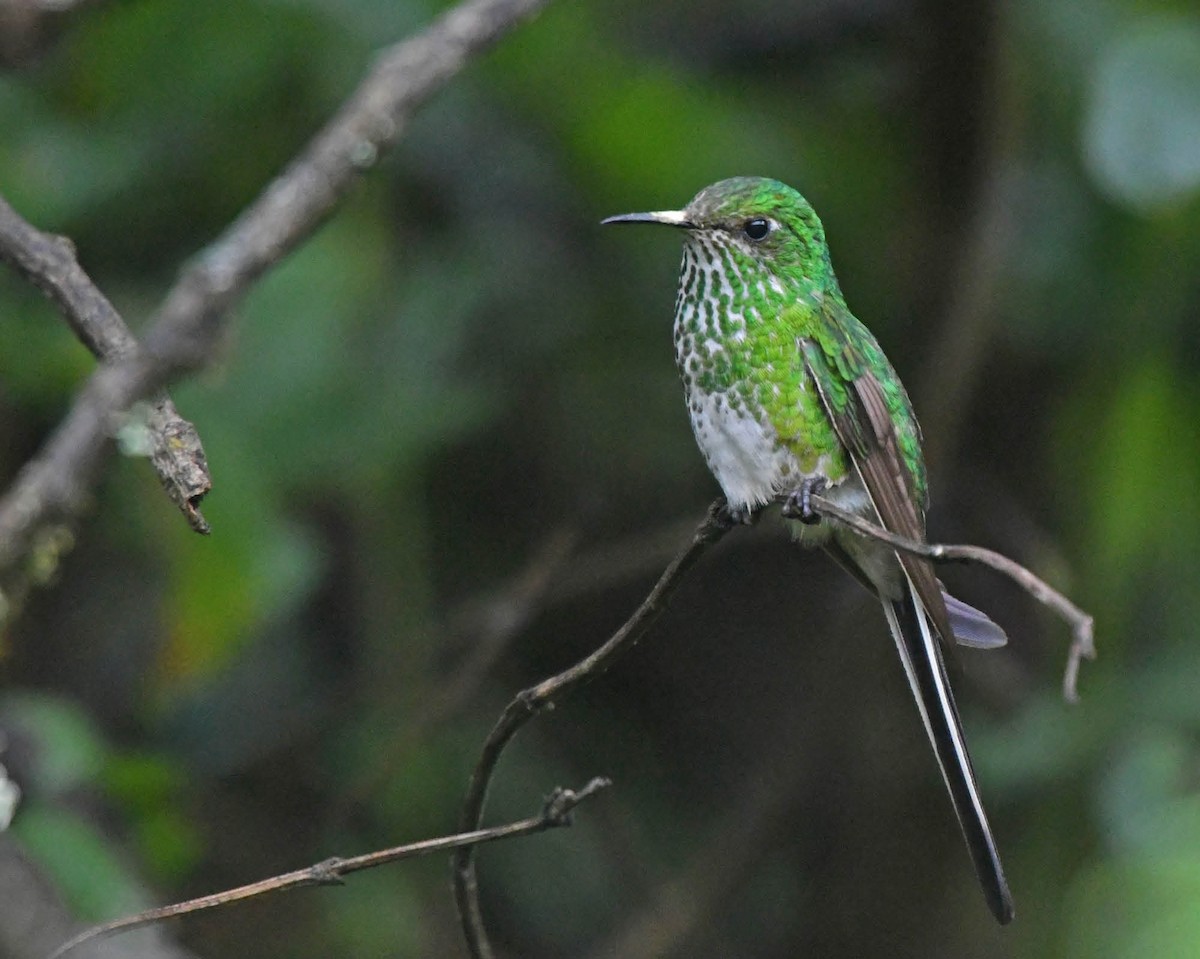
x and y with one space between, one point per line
758 224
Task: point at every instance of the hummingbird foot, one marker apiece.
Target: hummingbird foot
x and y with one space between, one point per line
798 504
732 516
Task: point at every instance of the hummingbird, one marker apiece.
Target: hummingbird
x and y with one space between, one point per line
790 396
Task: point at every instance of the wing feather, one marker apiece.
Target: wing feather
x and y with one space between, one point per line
865 427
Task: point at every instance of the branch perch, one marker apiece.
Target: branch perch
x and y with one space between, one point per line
556 813
529 702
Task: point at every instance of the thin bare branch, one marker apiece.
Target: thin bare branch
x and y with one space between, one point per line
183 335
287 212
1082 624
529 702
49 263
556 812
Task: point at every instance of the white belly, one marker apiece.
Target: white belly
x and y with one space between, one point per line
753 467
742 450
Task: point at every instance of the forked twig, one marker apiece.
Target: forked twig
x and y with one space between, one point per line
556 812
529 702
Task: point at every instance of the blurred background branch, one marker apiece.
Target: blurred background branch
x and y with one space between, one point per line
48 262
980 256
184 335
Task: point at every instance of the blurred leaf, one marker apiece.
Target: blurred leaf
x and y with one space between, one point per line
60 169
1131 908
1132 454
152 791
142 781
345 366
334 385
1142 131
137 63
1066 34
81 860
379 914
1139 795
641 129
40 359
168 843
1049 742
263 565
67 750
1167 683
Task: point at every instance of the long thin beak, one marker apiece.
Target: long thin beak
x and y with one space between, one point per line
668 217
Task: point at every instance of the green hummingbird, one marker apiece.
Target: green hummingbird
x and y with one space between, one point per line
789 396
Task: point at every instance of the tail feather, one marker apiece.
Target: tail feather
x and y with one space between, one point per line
926 672
972 627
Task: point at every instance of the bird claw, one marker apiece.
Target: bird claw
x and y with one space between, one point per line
731 516
798 504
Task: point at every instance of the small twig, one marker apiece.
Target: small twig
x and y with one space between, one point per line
529 702
49 263
1082 624
556 812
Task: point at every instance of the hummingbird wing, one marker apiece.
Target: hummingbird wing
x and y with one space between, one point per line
863 422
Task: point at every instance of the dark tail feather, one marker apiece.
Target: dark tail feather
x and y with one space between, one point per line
922 659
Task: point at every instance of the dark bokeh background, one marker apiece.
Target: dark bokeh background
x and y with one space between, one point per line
451 457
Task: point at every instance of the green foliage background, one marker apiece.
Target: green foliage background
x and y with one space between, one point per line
462 366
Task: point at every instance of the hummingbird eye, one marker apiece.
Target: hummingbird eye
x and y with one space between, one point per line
757 228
